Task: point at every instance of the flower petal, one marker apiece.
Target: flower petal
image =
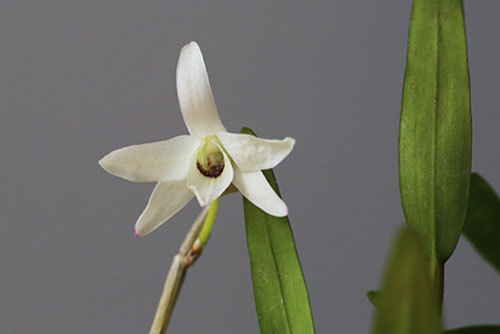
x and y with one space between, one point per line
195 95
252 154
206 188
165 201
158 161
257 190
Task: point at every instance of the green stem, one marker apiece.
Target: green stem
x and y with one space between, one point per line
437 279
208 225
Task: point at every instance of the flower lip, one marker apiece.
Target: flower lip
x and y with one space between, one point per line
209 158
211 169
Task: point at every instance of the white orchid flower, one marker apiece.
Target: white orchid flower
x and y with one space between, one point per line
205 162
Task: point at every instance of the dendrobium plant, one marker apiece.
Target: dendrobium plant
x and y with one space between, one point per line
205 162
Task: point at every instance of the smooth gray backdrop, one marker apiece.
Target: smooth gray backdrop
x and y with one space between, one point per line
81 78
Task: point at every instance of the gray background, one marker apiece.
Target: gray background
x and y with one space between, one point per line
80 78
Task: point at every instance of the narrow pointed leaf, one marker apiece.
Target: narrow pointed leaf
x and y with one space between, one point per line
280 292
482 223
488 329
435 128
407 303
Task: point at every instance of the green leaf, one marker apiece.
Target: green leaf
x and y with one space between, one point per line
280 292
373 297
482 223
407 303
435 127
488 329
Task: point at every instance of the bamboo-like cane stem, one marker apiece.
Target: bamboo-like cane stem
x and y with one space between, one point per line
182 260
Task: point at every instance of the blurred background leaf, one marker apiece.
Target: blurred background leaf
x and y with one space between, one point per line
280 292
488 329
407 303
373 297
435 128
482 223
